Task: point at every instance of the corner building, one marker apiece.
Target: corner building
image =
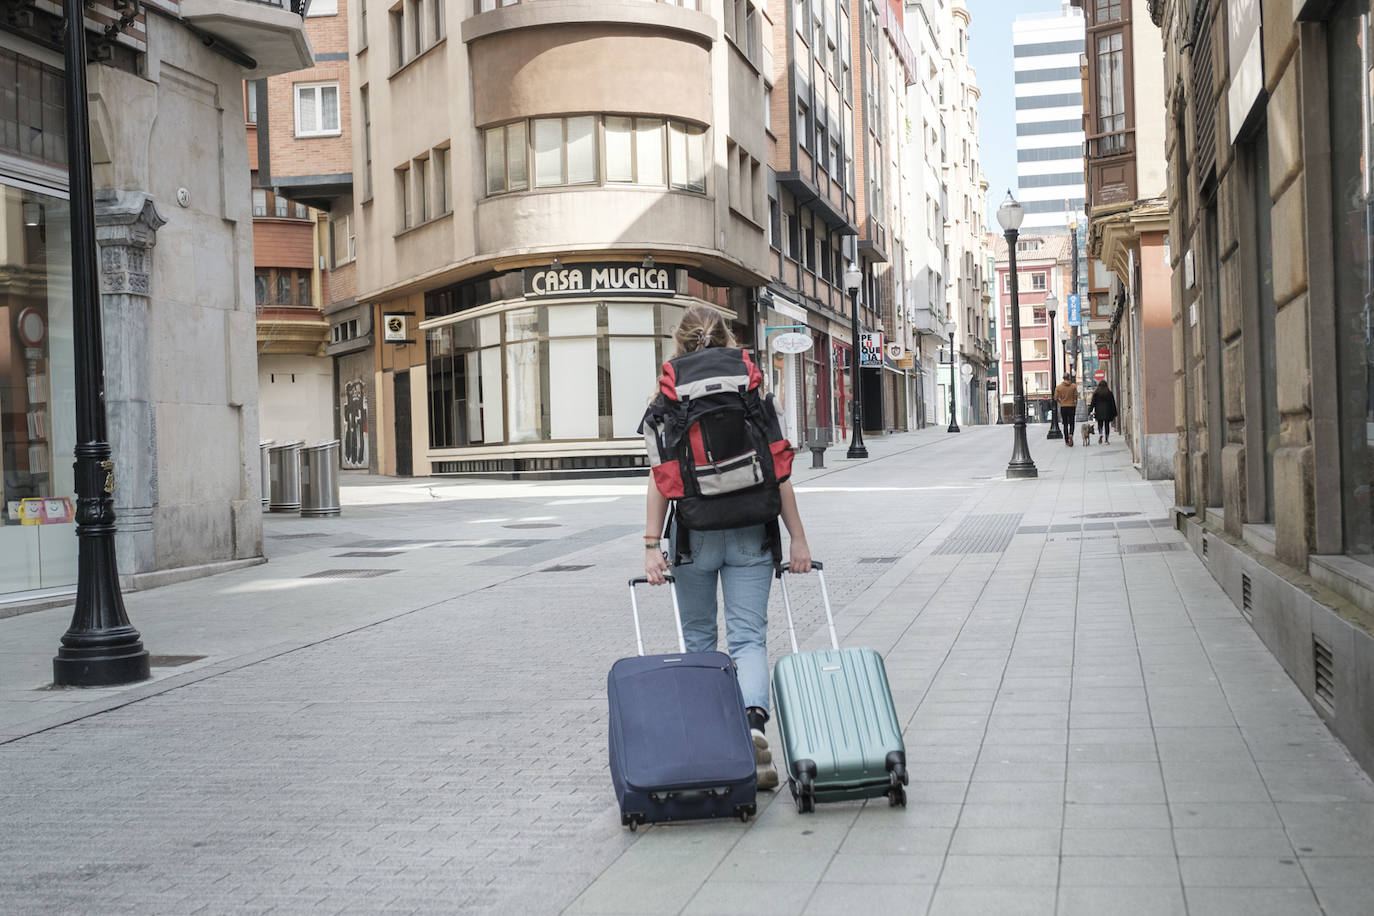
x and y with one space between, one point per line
542 188
1270 175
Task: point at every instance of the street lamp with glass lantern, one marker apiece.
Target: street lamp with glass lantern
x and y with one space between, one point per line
1051 306
953 390
1009 215
853 280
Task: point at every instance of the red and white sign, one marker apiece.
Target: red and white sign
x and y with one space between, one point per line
1104 354
1099 375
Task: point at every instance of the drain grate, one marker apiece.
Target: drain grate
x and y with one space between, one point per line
1109 515
297 537
500 543
982 534
1324 672
370 553
1154 548
533 525
349 573
878 559
379 544
172 661
567 567
1204 548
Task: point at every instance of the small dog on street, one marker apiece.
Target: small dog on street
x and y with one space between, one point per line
1087 427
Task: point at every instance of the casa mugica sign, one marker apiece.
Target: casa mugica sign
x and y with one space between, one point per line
601 279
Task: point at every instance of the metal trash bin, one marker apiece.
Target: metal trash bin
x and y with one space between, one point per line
266 470
320 479
284 472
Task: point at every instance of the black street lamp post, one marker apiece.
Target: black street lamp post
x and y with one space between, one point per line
1051 306
953 390
853 279
1009 215
100 648
1077 348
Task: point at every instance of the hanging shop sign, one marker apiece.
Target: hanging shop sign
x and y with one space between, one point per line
792 342
595 279
394 328
1104 354
1075 316
1245 48
895 351
871 348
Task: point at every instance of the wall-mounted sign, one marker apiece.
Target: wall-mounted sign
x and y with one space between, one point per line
792 342
1104 354
992 384
601 280
33 329
1245 48
895 351
1075 316
871 348
394 328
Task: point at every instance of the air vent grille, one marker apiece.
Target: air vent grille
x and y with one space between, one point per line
1246 595
1324 673
1204 547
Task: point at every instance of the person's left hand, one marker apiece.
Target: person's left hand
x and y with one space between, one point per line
799 560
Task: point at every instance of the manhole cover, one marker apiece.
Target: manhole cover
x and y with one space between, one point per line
533 525
877 559
349 573
370 553
1108 515
570 567
1154 548
172 661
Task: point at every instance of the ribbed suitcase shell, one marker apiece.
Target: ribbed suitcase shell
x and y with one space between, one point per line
834 708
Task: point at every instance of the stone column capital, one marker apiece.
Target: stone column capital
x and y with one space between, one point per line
126 225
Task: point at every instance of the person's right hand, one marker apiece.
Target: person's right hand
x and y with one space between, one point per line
655 565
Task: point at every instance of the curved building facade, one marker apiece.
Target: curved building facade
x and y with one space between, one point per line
583 172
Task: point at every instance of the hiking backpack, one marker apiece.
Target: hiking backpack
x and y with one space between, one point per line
716 446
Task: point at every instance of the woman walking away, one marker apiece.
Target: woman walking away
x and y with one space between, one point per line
709 458
1104 411
1066 396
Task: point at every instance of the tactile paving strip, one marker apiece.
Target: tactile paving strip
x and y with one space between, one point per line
982 534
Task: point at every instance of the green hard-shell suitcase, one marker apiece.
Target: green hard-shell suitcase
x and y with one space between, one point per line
840 734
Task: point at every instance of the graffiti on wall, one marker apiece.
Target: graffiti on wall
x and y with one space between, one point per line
355 424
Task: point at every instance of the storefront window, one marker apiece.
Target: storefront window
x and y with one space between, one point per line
1348 39
574 371
37 393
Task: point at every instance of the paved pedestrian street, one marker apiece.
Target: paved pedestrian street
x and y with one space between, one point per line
404 711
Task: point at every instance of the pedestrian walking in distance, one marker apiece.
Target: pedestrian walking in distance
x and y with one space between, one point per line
1104 411
1066 396
718 453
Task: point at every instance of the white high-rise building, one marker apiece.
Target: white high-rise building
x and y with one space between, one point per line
1049 116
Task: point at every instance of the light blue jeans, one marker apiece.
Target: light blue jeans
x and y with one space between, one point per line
741 560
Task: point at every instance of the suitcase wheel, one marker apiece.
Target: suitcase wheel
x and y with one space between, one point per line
804 792
744 812
631 820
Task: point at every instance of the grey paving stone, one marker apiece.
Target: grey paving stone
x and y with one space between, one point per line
1242 871
1119 871
1234 841
1346 901
999 871
1226 815
922 841
1121 816
1114 793
878 868
1022 793
982 901
832 899
1008 841
1121 901
1267 901
1081 841
1012 815
731 898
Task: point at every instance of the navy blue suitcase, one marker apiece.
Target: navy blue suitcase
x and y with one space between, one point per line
680 747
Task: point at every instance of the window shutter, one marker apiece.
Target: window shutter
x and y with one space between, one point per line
1204 94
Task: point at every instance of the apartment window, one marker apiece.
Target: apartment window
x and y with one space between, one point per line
403 210
804 122
441 194
259 202
1111 87
282 287
317 110
303 296
687 156
342 243
302 211
791 234
768 109
774 225
415 16
437 23
507 156
282 208
1024 245
398 39
250 106
1107 11
809 246
1037 282
367 142
422 193
488 5
362 24
323 8
751 33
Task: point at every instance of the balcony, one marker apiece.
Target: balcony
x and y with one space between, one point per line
1111 170
270 32
926 321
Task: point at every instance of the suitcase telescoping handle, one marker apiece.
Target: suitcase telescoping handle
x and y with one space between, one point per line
677 614
825 599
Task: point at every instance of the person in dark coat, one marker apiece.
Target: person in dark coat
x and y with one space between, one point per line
1103 407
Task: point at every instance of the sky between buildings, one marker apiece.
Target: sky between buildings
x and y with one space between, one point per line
990 54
